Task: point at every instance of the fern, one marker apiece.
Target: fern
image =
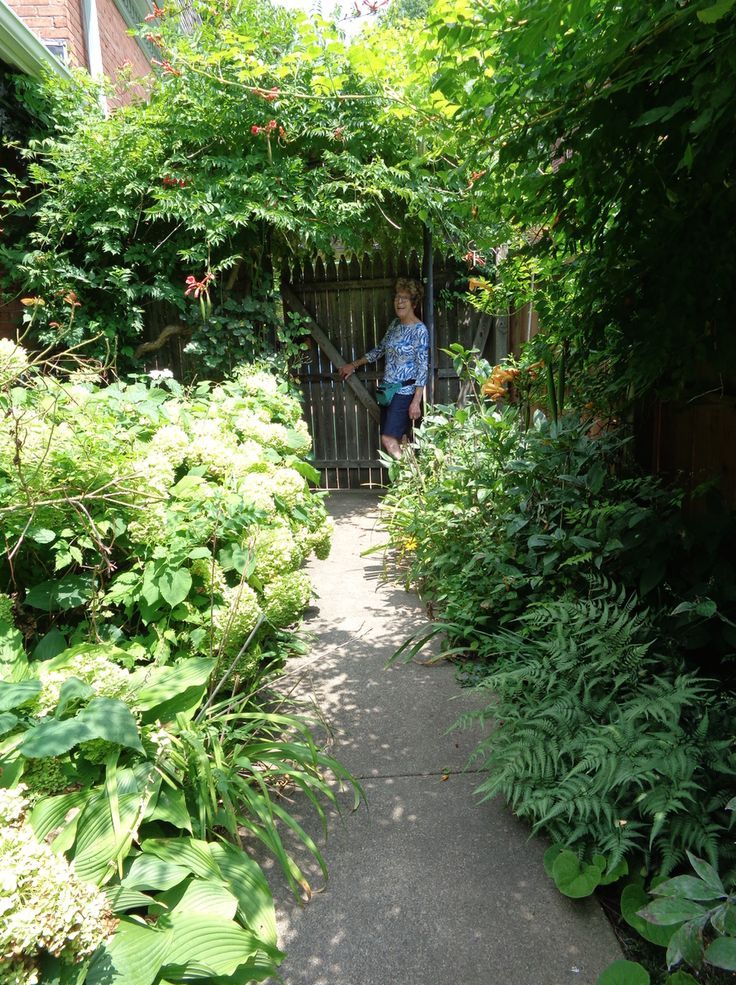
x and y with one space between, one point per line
599 741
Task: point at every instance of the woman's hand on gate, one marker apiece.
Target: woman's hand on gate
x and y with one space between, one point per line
346 370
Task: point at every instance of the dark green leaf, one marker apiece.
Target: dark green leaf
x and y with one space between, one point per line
174 586
722 953
574 878
63 594
624 972
16 695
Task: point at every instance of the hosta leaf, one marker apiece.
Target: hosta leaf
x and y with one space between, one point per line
149 872
51 812
71 690
53 643
209 898
189 853
217 944
103 718
61 594
624 972
13 660
18 694
8 721
247 881
171 807
574 878
132 956
715 12
722 953
121 898
97 845
158 685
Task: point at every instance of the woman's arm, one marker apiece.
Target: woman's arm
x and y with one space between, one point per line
370 357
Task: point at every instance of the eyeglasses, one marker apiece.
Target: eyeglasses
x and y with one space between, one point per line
402 297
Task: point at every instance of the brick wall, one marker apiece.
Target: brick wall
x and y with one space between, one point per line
56 20
118 48
62 20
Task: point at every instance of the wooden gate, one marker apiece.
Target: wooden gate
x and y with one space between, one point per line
347 306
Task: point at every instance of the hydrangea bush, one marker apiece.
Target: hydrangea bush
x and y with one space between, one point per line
134 511
154 548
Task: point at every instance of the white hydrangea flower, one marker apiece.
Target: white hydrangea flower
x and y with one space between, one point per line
289 485
212 575
13 804
276 552
160 374
286 597
248 458
319 541
255 490
234 621
172 441
45 907
212 446
149 525
155 474
258 381
13 361
21 972
270 434
106 678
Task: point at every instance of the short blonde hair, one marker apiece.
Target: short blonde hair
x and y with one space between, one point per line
413 288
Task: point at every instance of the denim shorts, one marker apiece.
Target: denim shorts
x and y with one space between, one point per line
395 421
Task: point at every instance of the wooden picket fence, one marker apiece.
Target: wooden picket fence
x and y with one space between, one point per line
347 306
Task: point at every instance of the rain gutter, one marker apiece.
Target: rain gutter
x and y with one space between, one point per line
24 50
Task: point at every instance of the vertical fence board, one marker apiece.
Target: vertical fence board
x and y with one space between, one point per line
352 301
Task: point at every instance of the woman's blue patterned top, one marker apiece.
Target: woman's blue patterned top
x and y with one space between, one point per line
406 348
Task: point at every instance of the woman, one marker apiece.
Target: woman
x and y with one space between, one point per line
406 348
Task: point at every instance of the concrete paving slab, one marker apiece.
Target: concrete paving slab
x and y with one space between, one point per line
426 885
427 888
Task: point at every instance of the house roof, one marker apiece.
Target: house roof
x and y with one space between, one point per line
20 47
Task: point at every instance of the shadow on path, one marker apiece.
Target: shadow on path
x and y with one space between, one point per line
427 887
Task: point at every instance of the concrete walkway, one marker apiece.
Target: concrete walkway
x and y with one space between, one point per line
426 886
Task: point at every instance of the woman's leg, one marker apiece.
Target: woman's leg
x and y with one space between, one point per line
395 423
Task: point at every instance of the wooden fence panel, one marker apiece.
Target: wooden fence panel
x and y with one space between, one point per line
351 303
